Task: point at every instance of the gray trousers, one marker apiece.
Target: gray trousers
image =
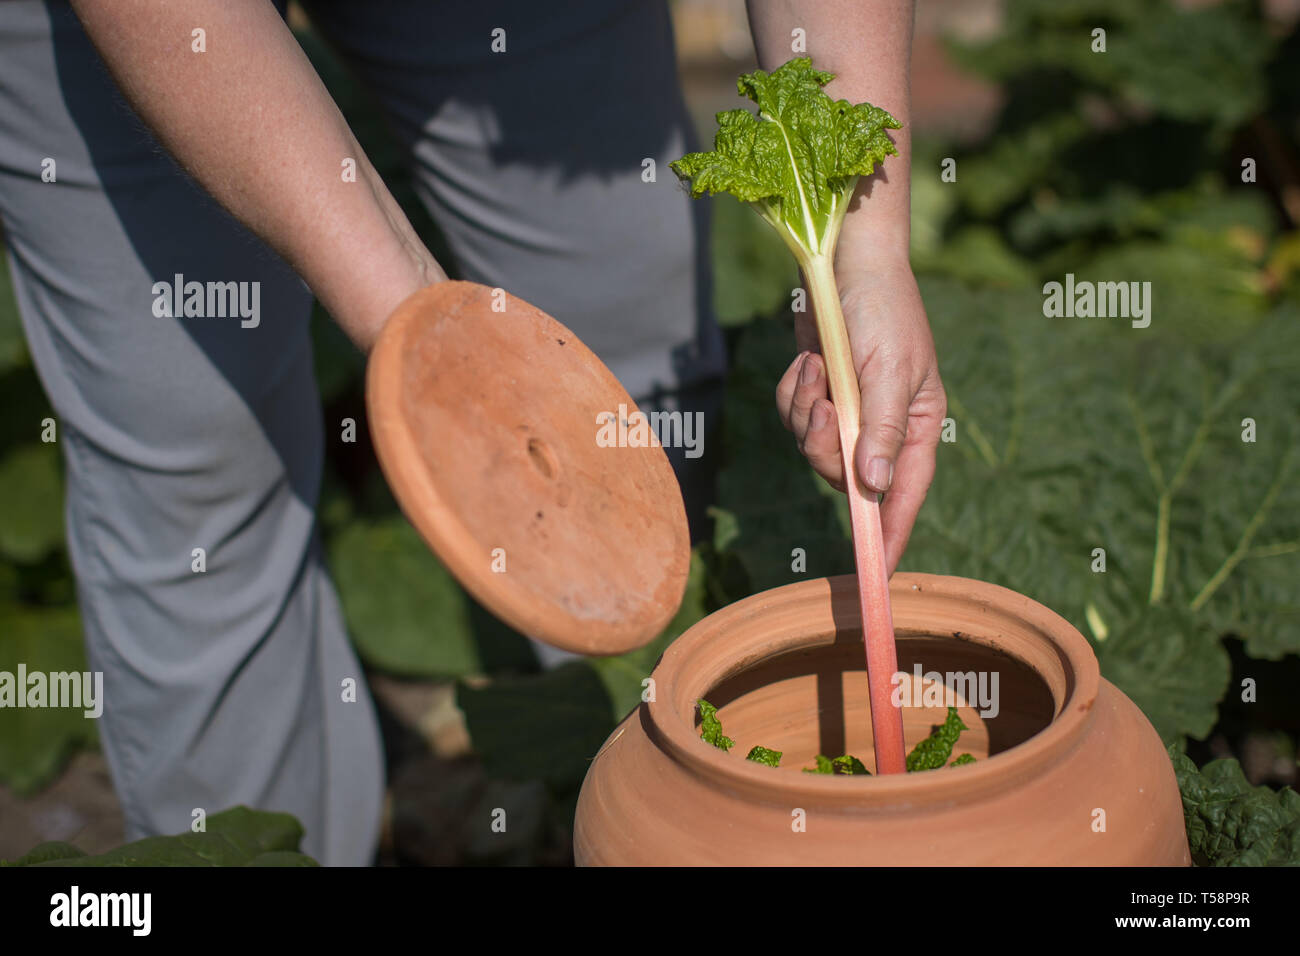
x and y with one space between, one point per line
229 684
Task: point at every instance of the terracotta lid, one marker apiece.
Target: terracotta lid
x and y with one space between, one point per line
486 423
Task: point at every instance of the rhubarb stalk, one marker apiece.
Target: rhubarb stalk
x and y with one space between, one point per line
797 163
864 516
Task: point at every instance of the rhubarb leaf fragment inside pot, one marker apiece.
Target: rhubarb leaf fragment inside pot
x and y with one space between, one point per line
764 755
934 751
711 727
930 753
846 764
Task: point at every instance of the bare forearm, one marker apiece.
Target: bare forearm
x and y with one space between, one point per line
250 120
867 45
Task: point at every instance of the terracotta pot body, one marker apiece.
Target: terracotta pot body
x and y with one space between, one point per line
1068 770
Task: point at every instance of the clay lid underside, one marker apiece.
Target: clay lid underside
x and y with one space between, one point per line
485 424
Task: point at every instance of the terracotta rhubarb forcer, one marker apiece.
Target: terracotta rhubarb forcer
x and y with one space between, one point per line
1068 771
485 413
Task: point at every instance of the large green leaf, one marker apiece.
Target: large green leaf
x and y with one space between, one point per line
406 613
1226 298
549 726
35 742
234 837
1231 823
31 502
1213 518
545 726
1171 665
13 347
1089 435
1073 435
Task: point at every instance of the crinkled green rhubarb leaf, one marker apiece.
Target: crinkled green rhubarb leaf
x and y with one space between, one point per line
798 160
711 727
847 764
763 755
934 751
234 837
1231 823
823 765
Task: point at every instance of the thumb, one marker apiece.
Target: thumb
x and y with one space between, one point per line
885 402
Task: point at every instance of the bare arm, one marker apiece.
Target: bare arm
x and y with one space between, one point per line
867 45
251 121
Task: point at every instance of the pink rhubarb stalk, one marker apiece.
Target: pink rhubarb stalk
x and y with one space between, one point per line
864 514
797 163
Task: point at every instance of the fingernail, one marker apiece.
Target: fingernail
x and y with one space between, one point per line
880 472
808 374
821 415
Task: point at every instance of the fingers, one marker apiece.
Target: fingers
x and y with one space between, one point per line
912 476
821 444
914 470
885 401
801 400
810 386
785 389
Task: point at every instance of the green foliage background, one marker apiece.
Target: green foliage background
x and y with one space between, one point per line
1071 434
234 837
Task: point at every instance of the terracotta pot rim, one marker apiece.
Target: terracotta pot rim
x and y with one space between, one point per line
809 614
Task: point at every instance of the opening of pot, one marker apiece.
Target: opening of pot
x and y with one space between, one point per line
745 653
814 700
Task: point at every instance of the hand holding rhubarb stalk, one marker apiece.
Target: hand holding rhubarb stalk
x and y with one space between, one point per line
798 163
903 400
